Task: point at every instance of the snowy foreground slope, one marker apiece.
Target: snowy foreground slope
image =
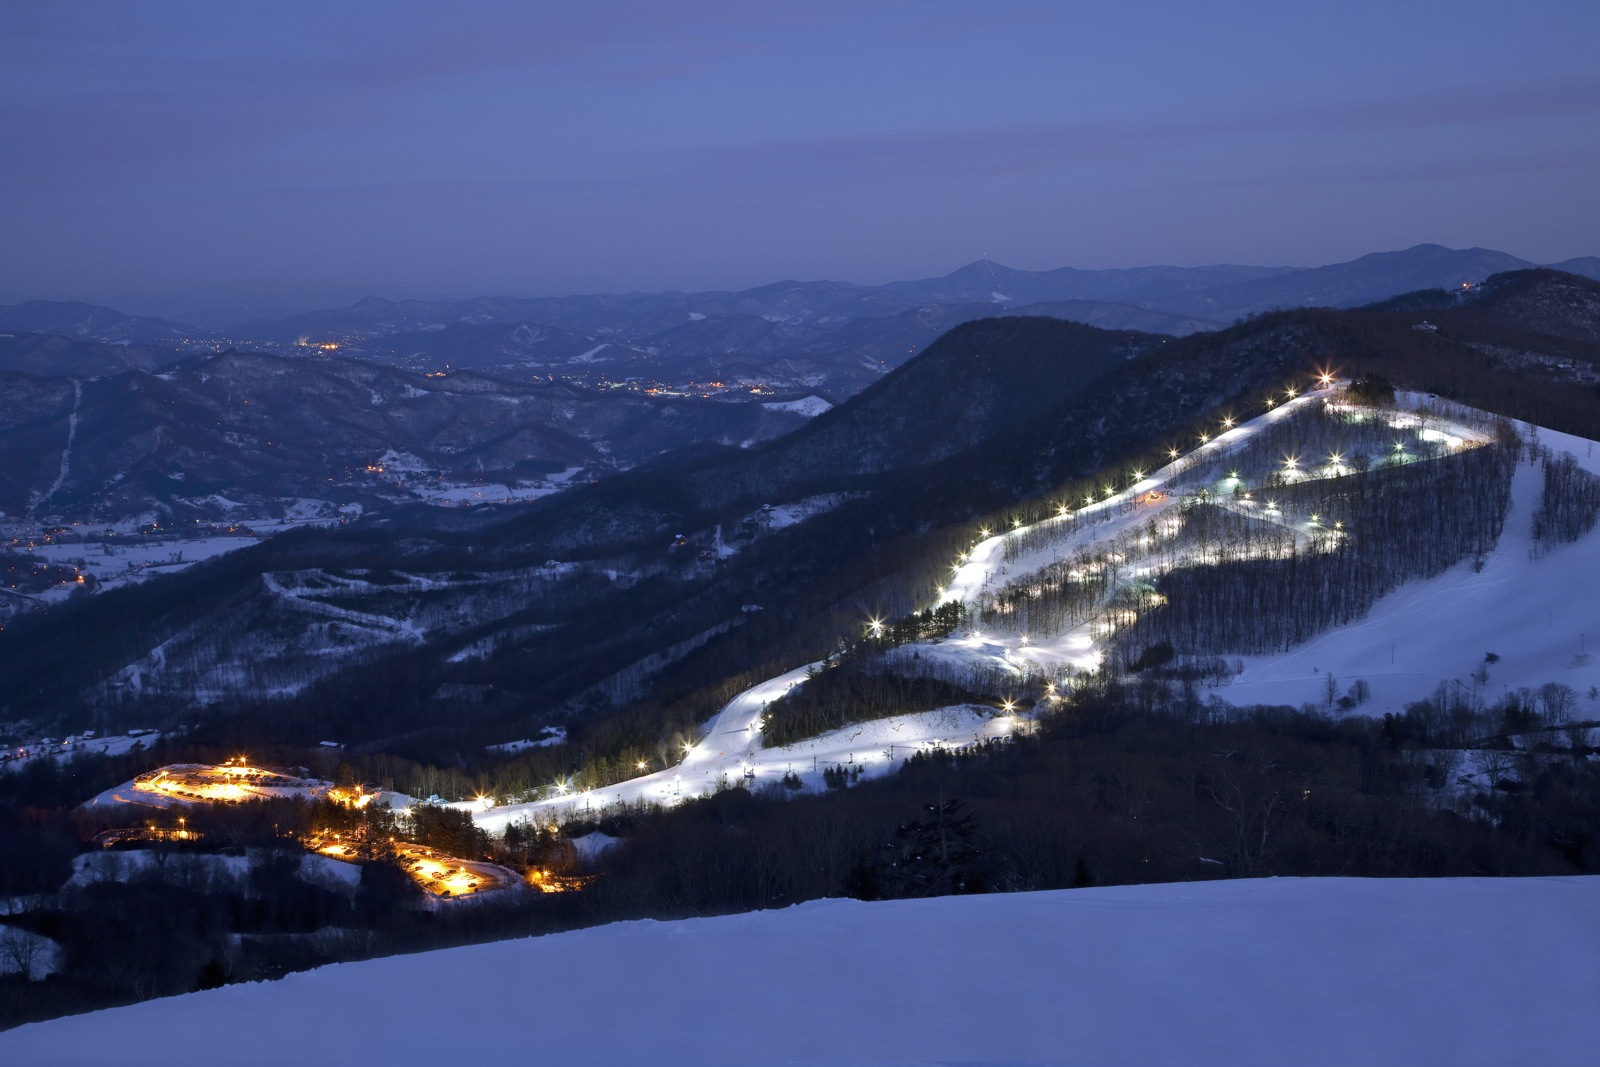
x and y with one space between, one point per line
1277 971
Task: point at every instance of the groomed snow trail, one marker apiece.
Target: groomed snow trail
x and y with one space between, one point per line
1540 615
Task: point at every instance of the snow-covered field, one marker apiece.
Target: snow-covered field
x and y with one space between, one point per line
1280 971
469 494
67 748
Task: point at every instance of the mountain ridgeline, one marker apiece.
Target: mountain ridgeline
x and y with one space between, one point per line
423 627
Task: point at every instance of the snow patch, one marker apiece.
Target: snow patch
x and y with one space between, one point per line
810 406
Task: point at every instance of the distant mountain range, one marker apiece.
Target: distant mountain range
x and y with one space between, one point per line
831 337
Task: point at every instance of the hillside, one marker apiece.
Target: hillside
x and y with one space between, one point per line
1327 971
262 431
48 354
87 322
991 415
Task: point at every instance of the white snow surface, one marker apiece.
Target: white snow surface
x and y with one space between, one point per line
1540 616
810 406
1309 972
120 865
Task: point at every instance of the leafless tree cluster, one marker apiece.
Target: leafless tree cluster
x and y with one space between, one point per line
1570 505
1399 523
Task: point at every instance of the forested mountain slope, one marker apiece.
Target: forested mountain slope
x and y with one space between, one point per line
996 413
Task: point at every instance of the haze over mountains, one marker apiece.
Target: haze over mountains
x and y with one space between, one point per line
994 412
831 336
164 419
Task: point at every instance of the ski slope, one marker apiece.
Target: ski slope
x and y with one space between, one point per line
1537 614
730 753
1308 972
1540 616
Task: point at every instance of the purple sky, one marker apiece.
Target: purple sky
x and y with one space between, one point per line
539 146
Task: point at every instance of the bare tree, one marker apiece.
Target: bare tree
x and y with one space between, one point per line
1559 702
1493 763
21 950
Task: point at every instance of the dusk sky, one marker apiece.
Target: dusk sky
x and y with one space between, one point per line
425 149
